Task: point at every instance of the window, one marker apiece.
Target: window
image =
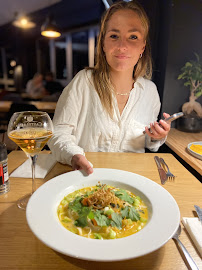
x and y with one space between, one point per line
79 51
72 52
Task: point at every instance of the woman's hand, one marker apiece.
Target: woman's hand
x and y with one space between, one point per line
158 132
79 162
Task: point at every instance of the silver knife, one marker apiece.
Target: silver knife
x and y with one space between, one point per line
199 212
162 173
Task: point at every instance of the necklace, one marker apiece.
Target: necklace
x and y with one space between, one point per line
123 94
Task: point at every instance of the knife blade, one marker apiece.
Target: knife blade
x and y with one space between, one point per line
162 173
199 212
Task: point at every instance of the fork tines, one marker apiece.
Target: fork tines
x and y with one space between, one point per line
167 170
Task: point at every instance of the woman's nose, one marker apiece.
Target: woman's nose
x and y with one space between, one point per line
122 45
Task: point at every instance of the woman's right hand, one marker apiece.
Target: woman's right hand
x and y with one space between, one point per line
79 162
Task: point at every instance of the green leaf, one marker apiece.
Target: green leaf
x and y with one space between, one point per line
76 204
133 214
197 56
82 220
130 213
123 195
188 64
181 76
198 93
116 221
125 212
101 220
91 215
187 83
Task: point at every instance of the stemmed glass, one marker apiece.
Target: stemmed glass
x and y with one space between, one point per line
30 130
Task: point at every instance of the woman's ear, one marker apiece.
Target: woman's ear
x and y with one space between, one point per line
143 48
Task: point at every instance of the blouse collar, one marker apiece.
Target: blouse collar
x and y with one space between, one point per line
141 82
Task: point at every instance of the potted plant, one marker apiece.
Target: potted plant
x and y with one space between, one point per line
192 75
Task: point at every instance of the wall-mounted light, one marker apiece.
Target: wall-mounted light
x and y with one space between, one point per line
49 28
23 21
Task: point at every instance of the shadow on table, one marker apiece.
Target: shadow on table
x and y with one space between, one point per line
141 263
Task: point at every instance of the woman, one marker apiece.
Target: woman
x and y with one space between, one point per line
108 107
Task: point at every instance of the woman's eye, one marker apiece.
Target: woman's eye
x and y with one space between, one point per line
113 36
133 37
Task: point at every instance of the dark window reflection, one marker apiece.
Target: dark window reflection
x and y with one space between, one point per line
61 72
80 51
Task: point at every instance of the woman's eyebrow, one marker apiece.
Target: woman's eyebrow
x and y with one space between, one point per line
117 31
133 30
113 30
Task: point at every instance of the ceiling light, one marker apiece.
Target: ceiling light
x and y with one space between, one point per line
12 63
23 22
49 28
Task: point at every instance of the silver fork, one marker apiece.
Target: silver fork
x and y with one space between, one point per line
188 257
168 172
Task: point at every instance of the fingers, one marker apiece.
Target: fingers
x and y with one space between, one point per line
87 167
166 115
165 125
79 162
158 131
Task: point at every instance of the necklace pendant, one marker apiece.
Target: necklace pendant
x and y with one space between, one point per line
124 94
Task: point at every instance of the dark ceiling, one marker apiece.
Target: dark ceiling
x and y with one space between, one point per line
67 14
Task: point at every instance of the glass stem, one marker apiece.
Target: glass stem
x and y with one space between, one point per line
34 158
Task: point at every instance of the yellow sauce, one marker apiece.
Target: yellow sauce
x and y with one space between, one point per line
197 148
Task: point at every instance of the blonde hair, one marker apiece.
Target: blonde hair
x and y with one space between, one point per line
101 70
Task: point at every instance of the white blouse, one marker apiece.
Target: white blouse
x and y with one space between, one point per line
82 125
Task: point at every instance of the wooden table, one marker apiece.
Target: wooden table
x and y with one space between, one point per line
46 106
20 249
178 141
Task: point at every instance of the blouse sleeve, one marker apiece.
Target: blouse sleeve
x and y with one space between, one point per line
63 144
154 145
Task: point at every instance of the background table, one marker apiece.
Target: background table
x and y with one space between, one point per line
45 106
178 141
20 249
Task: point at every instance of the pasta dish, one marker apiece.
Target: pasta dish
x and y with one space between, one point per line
102 212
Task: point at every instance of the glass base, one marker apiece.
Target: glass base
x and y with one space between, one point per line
22 203
4 188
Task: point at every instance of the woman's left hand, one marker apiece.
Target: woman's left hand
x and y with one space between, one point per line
158 132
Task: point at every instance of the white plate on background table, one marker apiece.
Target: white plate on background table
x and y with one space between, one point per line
195 154
164 216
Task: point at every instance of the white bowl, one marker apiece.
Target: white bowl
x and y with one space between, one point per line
193 152
164 216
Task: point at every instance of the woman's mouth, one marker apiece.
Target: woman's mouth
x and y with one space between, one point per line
121 56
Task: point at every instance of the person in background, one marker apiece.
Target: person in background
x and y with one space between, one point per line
53 88
35 88
108 107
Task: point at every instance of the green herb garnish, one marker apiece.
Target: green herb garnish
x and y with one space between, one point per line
130 213
123 195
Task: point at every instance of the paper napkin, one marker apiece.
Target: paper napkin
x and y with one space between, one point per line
194 228
44 164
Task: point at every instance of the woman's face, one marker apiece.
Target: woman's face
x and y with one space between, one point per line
124 40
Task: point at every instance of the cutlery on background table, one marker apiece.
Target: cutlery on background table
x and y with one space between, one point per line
162 173
188 257
166 168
